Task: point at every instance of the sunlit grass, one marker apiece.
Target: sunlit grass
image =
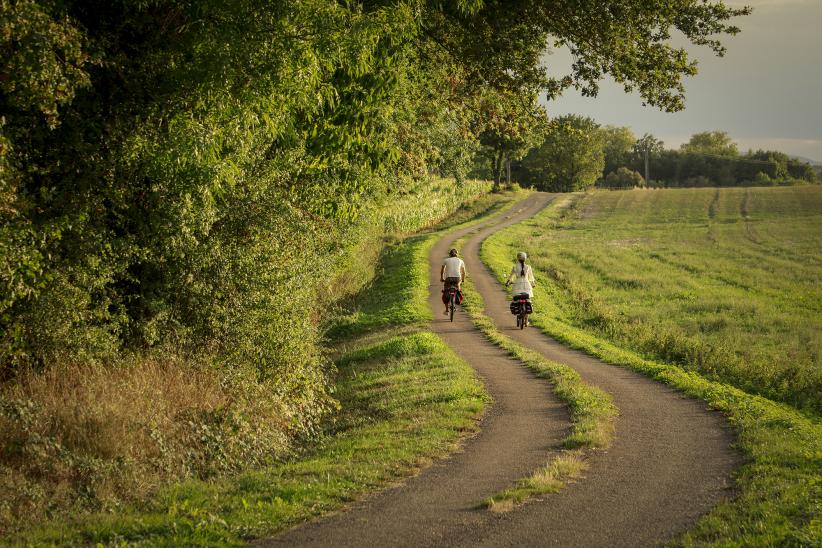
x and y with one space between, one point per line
777 503
551 478
724 282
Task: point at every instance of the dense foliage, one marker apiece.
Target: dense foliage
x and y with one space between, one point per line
709 158
182 177
570 158
623 178
681 168
577 152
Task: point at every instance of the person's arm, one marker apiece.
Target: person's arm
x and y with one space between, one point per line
462 272
442 273
512 276
531 277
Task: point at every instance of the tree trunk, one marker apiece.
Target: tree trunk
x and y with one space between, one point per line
647 171
497 161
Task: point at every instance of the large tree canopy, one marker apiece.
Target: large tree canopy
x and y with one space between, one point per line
711 142
503 40
570 158
163 163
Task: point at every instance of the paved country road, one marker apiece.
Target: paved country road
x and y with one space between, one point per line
670 462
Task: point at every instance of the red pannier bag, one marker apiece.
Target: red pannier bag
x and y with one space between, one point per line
445 296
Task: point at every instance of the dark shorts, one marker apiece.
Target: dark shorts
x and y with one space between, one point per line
452 281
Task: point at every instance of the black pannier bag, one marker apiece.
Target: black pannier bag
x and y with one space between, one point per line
517 302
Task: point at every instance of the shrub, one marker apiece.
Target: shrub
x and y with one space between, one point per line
623 178
762 178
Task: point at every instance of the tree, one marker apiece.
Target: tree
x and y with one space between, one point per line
645 149
569 159
648 143
508 129
618 143
503 40
802 171
717 143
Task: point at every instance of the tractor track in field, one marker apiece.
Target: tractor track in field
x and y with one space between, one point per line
670 461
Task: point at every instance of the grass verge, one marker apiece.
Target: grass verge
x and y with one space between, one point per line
100 429
405 399
779 501
591 410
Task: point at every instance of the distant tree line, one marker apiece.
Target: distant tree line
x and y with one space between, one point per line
576 153
712 159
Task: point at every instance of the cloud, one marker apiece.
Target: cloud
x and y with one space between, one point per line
762 3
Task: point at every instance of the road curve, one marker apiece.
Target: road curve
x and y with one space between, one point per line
671 460
669 464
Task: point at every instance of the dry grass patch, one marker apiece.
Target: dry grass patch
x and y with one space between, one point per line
93 437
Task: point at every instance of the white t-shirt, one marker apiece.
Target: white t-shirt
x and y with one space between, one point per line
522 284
453 266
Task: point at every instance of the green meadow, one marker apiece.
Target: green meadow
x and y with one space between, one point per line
725 282
715 293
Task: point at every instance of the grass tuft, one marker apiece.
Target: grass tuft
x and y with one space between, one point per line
551 478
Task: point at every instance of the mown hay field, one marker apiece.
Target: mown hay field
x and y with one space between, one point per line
727 282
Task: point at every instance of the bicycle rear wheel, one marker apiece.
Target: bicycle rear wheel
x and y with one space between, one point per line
452 305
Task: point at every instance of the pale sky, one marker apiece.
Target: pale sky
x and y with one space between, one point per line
766 92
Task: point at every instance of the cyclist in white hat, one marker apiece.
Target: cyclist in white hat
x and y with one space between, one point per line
522 277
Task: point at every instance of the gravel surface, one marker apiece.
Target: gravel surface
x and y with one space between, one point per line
670 462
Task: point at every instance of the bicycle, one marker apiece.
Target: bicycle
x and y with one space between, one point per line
521 306
452 301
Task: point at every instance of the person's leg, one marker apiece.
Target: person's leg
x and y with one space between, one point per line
528 316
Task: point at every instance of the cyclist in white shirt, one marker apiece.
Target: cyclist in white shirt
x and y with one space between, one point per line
452 273
522 276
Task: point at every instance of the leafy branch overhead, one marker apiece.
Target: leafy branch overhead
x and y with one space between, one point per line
504 43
